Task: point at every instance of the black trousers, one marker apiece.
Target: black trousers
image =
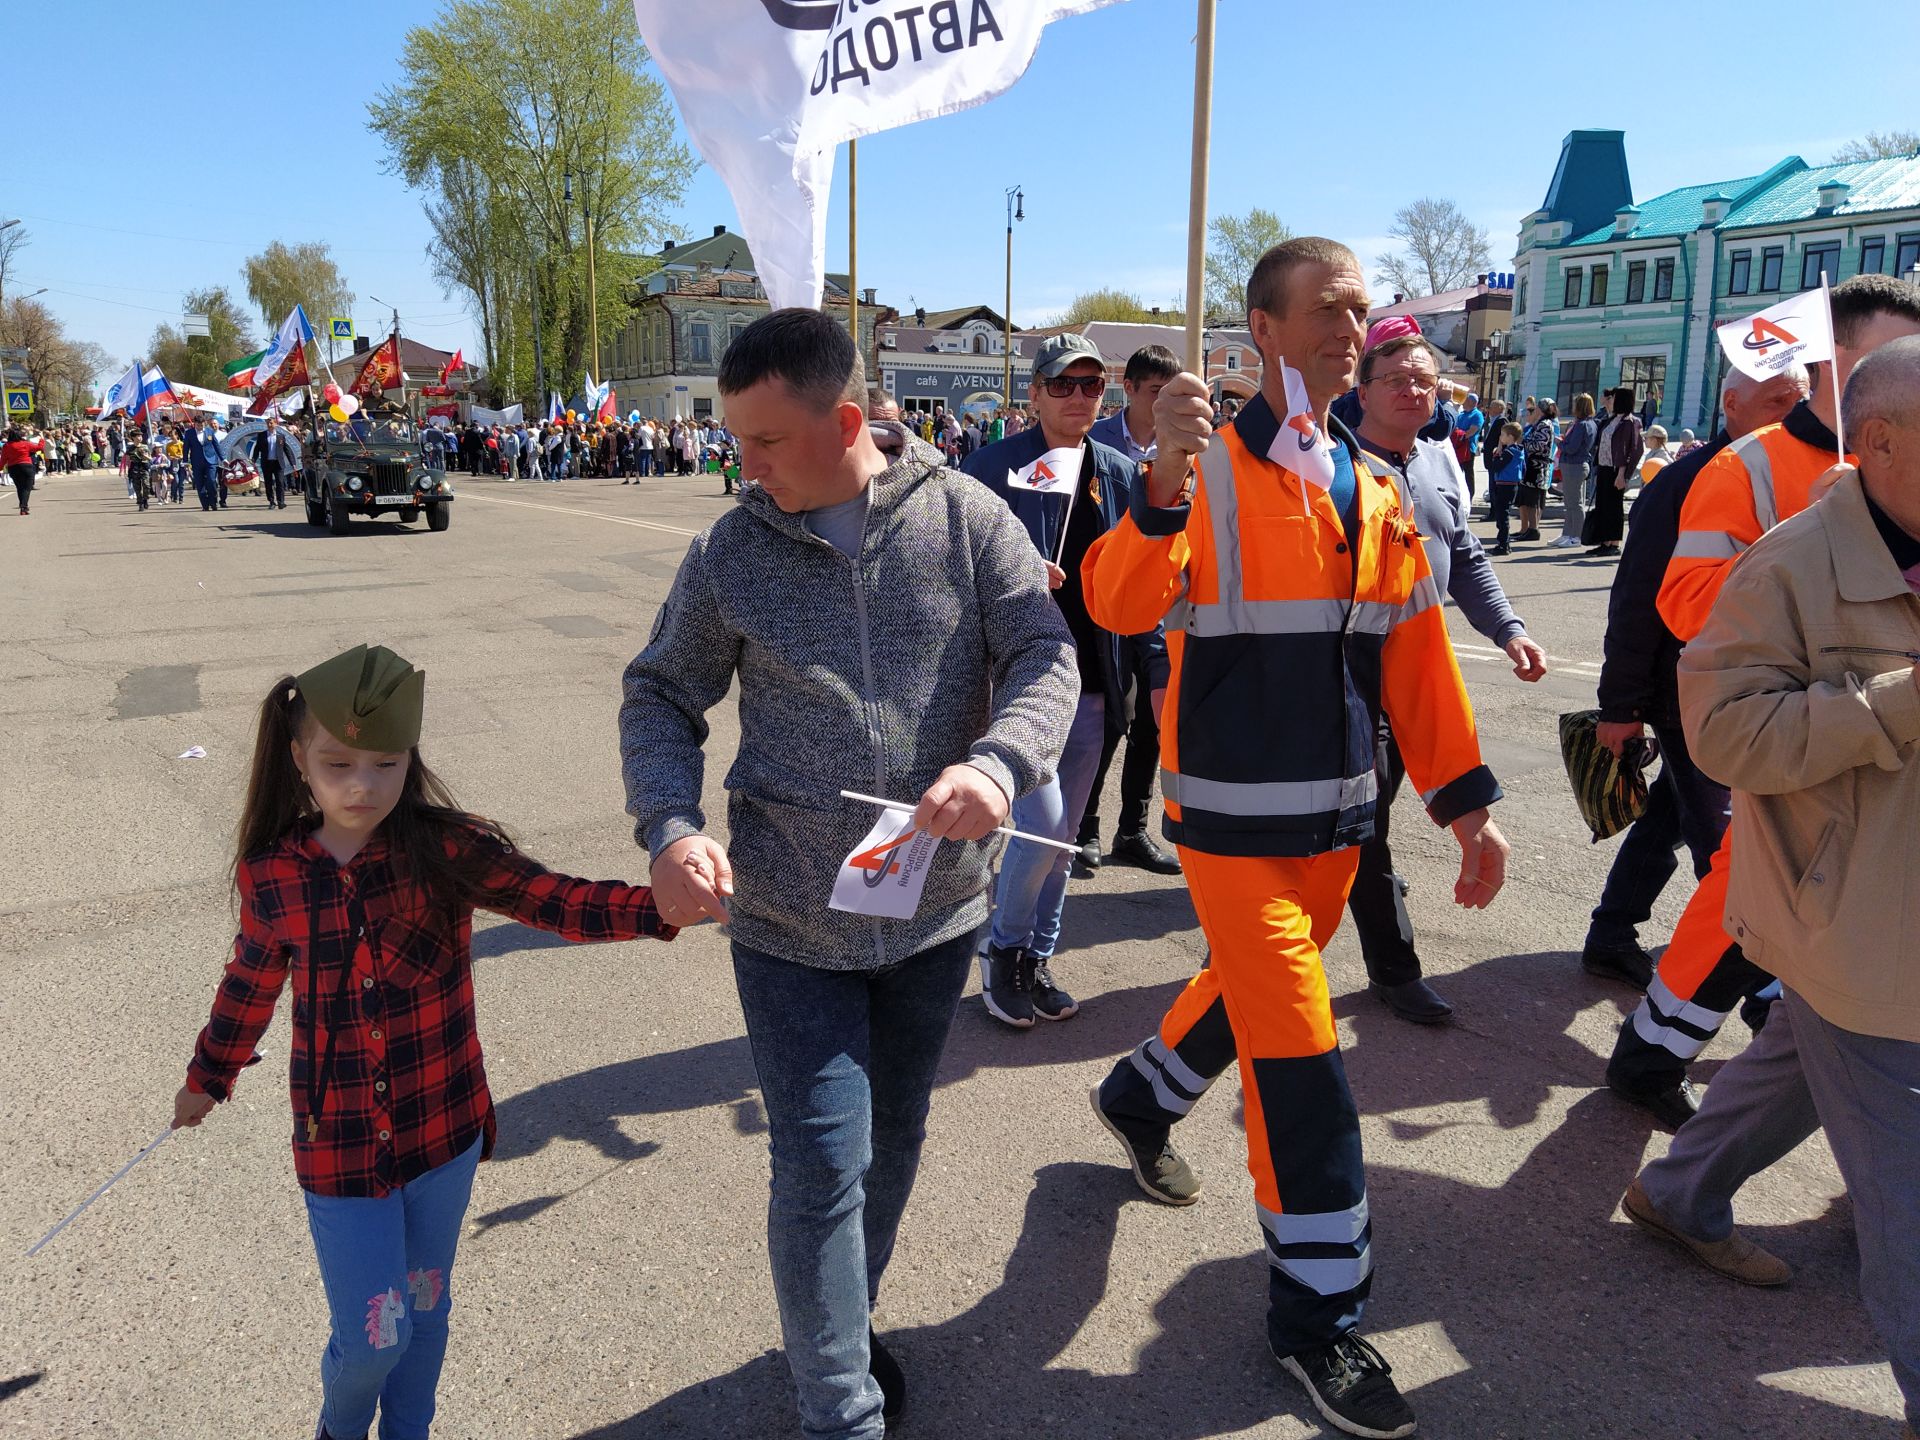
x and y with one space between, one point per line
270 477
22 477
1137 771
1378 900
1609 507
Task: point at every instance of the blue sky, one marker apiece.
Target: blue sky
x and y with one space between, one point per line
139 180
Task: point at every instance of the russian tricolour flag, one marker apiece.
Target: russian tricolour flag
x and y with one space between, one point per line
154 390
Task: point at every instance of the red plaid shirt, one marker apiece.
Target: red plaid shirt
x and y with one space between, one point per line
386 984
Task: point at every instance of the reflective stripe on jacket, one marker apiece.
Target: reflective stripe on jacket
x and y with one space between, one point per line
1744 491
1285 641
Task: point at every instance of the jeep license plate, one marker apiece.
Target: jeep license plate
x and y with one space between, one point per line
393 500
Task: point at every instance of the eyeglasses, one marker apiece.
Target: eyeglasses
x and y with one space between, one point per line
1061 386
1403 384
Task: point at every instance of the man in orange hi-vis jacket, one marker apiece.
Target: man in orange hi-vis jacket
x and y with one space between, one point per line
1744 491
1298 603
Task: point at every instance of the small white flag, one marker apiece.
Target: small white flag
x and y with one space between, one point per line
1794 332
887 870
193 752
1055 473
1300 445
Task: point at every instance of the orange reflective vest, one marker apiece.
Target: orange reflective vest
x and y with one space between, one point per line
1286 639
1743 492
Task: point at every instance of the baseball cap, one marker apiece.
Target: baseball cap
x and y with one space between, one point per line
1057 352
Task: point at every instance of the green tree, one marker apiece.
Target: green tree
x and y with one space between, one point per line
1234 244
1109 304
1875 146
198 359
282 276
501 108
1441 249
61 370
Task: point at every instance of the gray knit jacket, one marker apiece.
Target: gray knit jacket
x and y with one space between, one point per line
941 645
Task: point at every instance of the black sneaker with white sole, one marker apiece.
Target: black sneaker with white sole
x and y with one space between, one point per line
1353 1387
1158 1168
1006 985
1050 1002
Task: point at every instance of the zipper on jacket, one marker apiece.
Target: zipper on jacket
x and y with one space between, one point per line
868 692
1908 655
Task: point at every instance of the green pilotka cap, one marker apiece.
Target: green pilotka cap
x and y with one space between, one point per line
368 698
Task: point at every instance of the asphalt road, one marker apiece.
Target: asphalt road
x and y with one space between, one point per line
613 1280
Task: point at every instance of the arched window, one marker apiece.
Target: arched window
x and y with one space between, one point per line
979 344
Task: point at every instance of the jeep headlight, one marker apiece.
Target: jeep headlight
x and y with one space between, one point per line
353 482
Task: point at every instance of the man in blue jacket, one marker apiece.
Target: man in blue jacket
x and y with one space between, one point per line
203 461
1069 381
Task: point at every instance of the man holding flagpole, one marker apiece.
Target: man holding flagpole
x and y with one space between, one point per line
1300 607
1068 490
1744 491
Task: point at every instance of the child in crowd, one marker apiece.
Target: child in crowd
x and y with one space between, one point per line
1506 466
358 877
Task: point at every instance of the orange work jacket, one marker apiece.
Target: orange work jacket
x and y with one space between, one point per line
1286 638
1743 492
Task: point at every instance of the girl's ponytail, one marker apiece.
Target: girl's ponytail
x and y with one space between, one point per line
277 796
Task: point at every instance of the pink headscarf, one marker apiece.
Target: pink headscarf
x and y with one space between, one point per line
1391 328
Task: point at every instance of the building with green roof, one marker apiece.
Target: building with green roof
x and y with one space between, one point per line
1612 293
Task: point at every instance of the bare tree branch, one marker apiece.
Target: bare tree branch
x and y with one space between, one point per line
1442 249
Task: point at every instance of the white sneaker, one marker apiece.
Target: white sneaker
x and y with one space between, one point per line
1565 542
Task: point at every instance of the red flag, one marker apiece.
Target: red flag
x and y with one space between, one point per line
382 370
608 404
451 366
291 375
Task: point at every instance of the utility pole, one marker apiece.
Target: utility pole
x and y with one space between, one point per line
853 242
1016 210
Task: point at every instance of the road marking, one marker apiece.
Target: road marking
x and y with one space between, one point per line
582 514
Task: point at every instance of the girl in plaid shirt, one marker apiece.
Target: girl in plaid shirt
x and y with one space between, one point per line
358 877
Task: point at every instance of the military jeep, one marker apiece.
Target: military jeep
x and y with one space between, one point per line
375 467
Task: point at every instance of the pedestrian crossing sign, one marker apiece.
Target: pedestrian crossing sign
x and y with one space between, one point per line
341 327
20 400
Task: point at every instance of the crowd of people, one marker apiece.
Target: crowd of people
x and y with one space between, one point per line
628 450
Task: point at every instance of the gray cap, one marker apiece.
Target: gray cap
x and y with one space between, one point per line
1057 352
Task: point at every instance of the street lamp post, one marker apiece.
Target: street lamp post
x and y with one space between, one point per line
1016 210
593 293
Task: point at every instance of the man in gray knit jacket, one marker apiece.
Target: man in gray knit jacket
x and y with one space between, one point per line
891 630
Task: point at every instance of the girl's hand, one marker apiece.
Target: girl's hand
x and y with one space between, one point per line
190 1107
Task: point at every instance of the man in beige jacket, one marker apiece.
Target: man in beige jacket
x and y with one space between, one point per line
1802 694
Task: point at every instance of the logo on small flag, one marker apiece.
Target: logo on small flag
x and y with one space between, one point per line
1055 473
1798 331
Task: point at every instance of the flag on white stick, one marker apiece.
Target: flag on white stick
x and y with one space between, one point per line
1055 473
1798 331
1301 445
768 88
887 870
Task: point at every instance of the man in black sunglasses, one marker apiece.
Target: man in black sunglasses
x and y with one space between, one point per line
1069 381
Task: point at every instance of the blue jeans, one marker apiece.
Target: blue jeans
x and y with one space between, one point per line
846 1060
387 1266
1032 890
1683 807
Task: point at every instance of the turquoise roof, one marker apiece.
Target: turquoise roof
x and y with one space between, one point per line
1876 185
1678 212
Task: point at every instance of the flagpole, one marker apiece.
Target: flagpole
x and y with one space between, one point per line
1833 368
1197 205
853 242
1060 549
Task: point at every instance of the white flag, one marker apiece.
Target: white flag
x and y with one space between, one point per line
124 393
768 88
1794 332
1055 473
887 870
1301 446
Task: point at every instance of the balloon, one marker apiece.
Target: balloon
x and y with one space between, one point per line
339 415
633 416
573 414
349 403
331 393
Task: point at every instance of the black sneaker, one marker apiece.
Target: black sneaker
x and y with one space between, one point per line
1626 963
1006 985
1672 1105
888 1375
1158 1168
1352 1386
1050 1002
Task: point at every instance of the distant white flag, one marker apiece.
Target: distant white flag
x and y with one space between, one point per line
294 332
887 870
1055 473
768 88
1301 446
1794 332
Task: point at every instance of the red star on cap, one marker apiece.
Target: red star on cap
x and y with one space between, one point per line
353 731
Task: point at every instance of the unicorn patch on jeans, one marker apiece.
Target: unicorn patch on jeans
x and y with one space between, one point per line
426 1287
384 1313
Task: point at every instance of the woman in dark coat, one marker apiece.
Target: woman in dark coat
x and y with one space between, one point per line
1618 461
